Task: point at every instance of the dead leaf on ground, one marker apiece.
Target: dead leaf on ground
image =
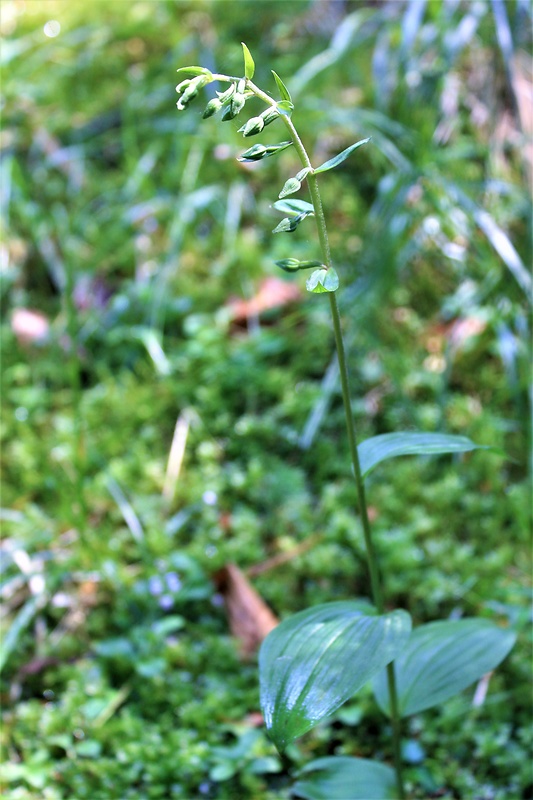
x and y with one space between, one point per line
273 293
250 619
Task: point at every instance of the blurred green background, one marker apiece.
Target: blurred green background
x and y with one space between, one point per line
155 431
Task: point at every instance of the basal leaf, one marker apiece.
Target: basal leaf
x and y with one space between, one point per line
441 659
315 660
249 66
389 445
284 92
345 778
336 160
293 206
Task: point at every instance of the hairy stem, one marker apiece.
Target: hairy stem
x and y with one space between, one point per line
377 591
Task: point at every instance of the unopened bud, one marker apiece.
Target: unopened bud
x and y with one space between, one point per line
212 107
180 88
253 126
236 105
269 115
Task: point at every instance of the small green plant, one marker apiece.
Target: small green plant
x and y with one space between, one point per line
317 659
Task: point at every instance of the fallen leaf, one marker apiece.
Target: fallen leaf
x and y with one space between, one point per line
250 619
273 293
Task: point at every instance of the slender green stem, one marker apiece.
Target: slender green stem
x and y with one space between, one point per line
377 591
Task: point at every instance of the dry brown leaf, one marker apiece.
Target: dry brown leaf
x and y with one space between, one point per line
250 619
273 293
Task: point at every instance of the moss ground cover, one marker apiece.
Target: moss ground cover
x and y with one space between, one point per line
120 677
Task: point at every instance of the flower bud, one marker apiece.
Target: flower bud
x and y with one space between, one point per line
212 107
253 126
270 115
236 105
180 88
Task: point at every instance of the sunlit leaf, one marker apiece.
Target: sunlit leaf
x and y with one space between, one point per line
345 778
389 445
196 71
293 206
315 660
284 92
338 159
249 66
441 659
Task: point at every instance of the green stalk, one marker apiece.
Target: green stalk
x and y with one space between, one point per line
375 582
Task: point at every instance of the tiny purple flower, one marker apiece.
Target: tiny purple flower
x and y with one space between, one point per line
166 602
173 581
155 586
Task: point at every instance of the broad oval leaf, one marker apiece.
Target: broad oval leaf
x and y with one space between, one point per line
338 159
315 660
249 66
441 659
293 206
284 92
343 778
406 443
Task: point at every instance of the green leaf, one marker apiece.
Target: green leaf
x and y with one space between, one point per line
249 66
441 659
389 445
18 626
343 777
315 660
323 280
285 107
196 71
293 206
284 92
336 160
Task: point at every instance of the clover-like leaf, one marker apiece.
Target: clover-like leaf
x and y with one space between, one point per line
249 66
323 280
338 159
315 660
284 92
441 659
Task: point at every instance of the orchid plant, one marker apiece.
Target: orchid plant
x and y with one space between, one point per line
315 660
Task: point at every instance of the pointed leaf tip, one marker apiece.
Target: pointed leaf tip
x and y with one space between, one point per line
284 92
249 66
338 159
315 660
